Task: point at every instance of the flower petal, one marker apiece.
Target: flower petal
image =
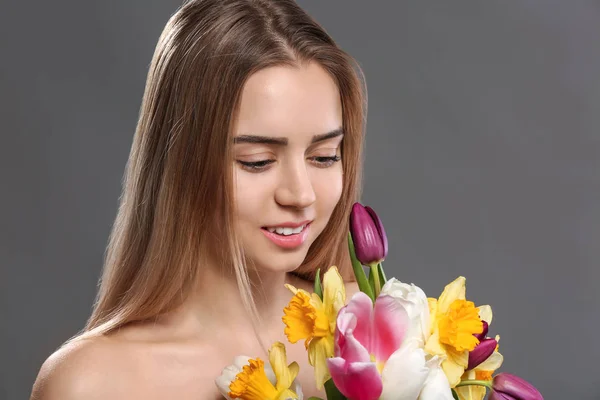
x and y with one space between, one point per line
436 385
433 314
298 389
416 304
318 351
292 288
485 313
224 380
493 362
380 230
240 361
500 396
270 374
455 365
481 352
404 372
434 346
455 290
471 392
333 290
347 346
278 361
358 380
391 323
361 306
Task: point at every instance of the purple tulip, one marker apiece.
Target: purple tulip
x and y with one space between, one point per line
499 396
368 235
510 387
481 335
481 352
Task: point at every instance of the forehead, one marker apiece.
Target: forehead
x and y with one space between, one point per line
289 101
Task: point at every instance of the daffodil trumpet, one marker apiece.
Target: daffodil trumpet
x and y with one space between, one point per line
475 382
253 379
312 318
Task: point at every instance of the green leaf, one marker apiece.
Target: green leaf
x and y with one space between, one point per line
318 287
359 272
454 394
382 277
332 392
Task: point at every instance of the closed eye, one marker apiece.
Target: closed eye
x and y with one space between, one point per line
325 162
258 166
255 165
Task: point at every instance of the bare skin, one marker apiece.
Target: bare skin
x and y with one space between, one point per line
179 355
169 359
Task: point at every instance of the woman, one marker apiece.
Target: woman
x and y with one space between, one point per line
242 173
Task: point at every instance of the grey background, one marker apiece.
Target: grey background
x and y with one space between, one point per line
483 159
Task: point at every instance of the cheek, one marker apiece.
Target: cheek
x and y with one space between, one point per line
328 187
248 200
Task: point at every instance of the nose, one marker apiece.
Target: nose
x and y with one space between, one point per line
295 188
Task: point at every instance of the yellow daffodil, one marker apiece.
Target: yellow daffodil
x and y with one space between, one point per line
483 371
251 379
454 321
312 319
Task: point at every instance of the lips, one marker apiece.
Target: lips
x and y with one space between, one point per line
287 228
288 235
286 231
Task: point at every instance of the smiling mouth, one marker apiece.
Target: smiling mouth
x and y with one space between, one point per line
286 231
288 237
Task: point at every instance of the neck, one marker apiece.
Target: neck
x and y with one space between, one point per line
216 304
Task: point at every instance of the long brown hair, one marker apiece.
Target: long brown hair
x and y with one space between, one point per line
177 188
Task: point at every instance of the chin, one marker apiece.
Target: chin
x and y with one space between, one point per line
278 262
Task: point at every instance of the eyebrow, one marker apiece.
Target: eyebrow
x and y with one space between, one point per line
284 141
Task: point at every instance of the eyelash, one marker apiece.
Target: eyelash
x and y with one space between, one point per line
256 166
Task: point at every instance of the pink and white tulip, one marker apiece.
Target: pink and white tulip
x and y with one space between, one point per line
376 359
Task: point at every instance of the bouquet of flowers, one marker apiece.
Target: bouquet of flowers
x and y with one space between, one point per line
389 341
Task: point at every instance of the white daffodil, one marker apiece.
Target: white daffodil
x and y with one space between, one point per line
252 379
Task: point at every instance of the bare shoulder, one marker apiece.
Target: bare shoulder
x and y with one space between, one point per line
81 369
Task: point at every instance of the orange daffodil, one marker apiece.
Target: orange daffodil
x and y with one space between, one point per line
312 319
454 322
252 379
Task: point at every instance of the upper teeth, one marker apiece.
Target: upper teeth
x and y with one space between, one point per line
287 231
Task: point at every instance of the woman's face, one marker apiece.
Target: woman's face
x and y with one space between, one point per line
288 173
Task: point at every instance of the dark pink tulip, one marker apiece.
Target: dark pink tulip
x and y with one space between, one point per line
513 387
368 235
481 352
483 333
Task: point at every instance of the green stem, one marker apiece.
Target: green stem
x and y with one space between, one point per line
375 273
468 382
381 272
359 272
